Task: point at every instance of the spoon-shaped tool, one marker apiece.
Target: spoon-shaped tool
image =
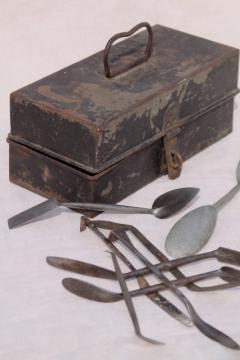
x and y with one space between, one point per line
194 229
221 254
203 326
92 292
129 302
164 206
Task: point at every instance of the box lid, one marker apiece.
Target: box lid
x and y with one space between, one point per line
82 117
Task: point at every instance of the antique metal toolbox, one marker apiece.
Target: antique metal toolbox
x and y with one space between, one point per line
99 130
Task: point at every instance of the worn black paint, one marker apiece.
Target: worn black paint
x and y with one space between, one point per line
77 135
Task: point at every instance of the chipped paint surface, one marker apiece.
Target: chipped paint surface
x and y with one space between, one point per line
46 174
107 190
134 174
202 76
46 91
68 184
91 122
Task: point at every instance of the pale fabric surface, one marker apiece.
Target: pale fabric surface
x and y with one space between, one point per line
39 319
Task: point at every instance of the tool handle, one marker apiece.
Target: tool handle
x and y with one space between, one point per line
129 301
227 197
122 209
161 257
178 282
171 264
138 61
228 256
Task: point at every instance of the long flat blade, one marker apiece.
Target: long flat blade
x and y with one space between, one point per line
32 213
129 302
156 298
165 305
80 267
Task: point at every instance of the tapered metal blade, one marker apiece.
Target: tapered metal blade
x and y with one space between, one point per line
81 267
88 291
32 213
157 298
173 201
129 302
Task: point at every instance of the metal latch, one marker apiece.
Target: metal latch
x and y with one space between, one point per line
173 158
171 123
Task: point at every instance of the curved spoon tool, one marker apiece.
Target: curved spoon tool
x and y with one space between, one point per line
194 229
203 326
158 299
164 206
81 267
222 254
230 255
159 255
129 302
91 292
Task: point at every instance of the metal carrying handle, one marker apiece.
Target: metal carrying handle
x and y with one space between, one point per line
147 54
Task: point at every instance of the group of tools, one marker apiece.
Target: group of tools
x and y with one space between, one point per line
186 238
180 241
119 233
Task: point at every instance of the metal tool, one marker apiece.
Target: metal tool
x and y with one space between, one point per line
129 302
194 229
158 254
203 326
221 254
123 228
156 298
164 206
92 292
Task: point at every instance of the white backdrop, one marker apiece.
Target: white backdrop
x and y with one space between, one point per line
39 319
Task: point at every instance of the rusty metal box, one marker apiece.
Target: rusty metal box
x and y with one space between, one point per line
99 130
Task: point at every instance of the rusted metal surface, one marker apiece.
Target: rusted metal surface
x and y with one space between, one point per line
99 132
55 179
173 158
80 116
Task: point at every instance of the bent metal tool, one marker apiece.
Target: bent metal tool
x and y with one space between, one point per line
123 228
129 302
92 292
194 229
163 206
156 298
221 254
203 326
